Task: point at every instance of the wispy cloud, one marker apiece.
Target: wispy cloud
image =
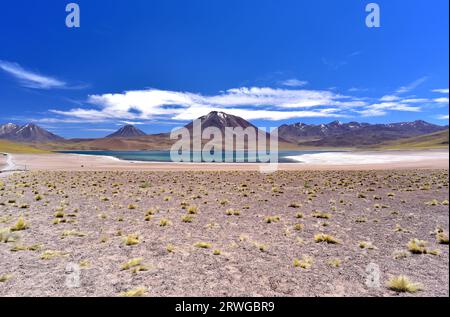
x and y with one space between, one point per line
443 117
34 80
412 86
441 91
293 82
31 79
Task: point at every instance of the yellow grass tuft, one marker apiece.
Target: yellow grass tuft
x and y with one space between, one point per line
321 215
130 264
193 210
48 255
272 219
403 284
366 245
417 246
334 263
203 245
20 225
137 292
442 238
187 218
4 278
131 239
321 237
305 263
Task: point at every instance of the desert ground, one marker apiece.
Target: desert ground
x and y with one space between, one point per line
68 229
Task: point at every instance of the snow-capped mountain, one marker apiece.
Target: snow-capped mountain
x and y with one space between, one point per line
8 128
337 133
29 133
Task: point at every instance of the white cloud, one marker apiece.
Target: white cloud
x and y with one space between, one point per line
441 91
251 103
441 100
412 85
372 113
443 117
415 100
389 98
30 79
380 109
294 83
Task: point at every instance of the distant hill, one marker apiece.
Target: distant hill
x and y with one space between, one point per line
127 131
10 147
354 134
429 141
29 133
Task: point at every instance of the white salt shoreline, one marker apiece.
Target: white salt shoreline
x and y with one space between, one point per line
363 158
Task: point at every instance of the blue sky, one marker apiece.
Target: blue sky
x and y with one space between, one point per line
161 63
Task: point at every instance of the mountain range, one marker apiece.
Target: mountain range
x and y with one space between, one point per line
28 133
333 134
354 133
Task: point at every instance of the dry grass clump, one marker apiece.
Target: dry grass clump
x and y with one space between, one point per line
334 263
131 263
232 212
170 248
135 265
203 245
187 218
18 248
321 237
442 238
321 215
72 233
131 239
433 202
299 226
192 210
361 219
399 228
294 205
366 245
49 254
151 212
403 284
261 247
217 252
6 235
416 246
20 225
4 278
137 292
305 263
397 255
272 219
163 222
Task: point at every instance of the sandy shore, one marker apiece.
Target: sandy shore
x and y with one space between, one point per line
2 162
325 161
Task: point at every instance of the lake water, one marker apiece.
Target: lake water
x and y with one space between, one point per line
164 156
